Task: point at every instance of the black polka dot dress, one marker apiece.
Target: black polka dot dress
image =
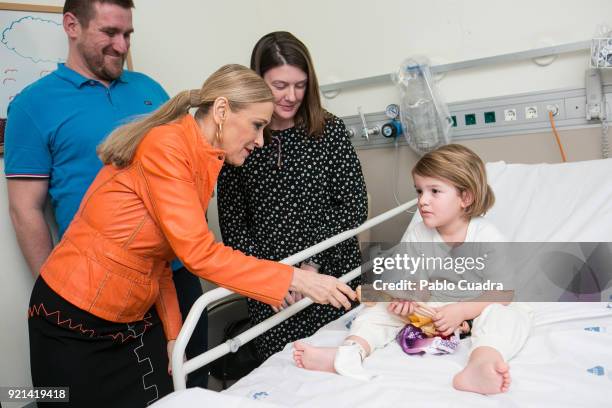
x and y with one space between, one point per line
294 192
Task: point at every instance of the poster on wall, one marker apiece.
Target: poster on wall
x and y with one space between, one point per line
32 42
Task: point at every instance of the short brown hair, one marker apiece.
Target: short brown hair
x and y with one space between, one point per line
283 48
84 11
463 169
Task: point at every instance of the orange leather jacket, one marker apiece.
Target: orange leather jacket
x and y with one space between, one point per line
113 260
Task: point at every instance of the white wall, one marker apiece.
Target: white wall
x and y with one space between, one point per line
350 39
181 42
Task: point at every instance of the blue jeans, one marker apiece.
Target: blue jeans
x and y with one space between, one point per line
188 290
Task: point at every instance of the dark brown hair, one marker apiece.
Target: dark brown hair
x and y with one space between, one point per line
283 48
463 169
84 10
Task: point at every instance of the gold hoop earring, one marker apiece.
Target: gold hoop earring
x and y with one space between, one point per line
219 132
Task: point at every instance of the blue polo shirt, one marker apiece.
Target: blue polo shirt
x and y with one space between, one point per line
55 124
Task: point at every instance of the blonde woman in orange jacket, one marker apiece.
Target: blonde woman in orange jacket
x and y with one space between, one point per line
92 323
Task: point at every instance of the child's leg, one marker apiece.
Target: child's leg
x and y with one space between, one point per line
373 328
314 358
324 358
497 335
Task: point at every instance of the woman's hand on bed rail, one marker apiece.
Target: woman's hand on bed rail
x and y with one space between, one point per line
294 297
323 289
290 298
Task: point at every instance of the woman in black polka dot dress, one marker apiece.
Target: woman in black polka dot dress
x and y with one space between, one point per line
304 186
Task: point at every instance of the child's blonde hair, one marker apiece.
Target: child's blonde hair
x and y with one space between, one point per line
463 169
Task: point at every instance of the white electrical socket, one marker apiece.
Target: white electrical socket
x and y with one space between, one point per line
509 114
531 112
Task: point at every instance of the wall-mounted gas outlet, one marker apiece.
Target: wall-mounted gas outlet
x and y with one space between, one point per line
554 108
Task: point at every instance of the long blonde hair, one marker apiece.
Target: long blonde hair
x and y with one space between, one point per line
464 170
237 83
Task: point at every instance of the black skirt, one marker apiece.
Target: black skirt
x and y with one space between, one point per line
104 364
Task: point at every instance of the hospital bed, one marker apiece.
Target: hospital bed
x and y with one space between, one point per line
567 361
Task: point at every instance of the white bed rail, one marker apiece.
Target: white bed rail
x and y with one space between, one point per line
181 368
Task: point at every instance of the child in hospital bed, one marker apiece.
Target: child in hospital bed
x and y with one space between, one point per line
453 194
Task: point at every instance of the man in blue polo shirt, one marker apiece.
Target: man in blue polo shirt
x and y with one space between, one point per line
55 124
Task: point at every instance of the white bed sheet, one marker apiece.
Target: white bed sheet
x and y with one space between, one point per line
567 362
199 397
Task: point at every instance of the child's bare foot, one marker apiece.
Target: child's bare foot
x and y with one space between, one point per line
314 358
486 373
